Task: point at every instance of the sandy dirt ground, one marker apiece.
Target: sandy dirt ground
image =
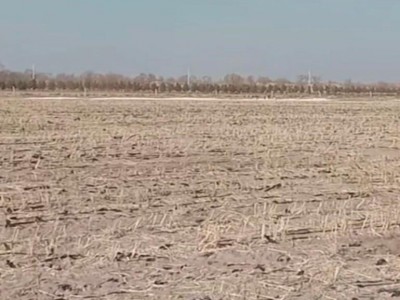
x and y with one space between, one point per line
199 200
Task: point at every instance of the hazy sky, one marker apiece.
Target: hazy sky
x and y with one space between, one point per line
337 39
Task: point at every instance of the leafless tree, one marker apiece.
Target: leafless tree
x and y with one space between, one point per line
234 79
231 83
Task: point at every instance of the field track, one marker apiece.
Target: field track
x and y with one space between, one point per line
191 99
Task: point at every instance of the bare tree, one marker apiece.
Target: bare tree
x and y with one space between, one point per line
231 83
282 81
316 79
302 79
206 79
264 80
234 79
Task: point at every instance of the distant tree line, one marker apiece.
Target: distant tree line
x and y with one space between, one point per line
149 83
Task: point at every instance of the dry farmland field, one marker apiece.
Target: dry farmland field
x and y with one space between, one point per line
199 200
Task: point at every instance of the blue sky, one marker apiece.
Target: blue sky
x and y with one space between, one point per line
337 39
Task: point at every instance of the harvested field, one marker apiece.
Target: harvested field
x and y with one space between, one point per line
199 200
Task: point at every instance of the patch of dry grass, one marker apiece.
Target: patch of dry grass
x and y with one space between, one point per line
199 200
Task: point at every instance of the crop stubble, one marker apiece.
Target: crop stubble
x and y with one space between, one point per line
199 200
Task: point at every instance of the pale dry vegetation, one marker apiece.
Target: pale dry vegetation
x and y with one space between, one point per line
199 200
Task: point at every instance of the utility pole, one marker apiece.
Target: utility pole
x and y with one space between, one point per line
188 77
310 83
33 72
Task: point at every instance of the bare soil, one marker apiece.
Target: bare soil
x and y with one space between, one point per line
199 200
